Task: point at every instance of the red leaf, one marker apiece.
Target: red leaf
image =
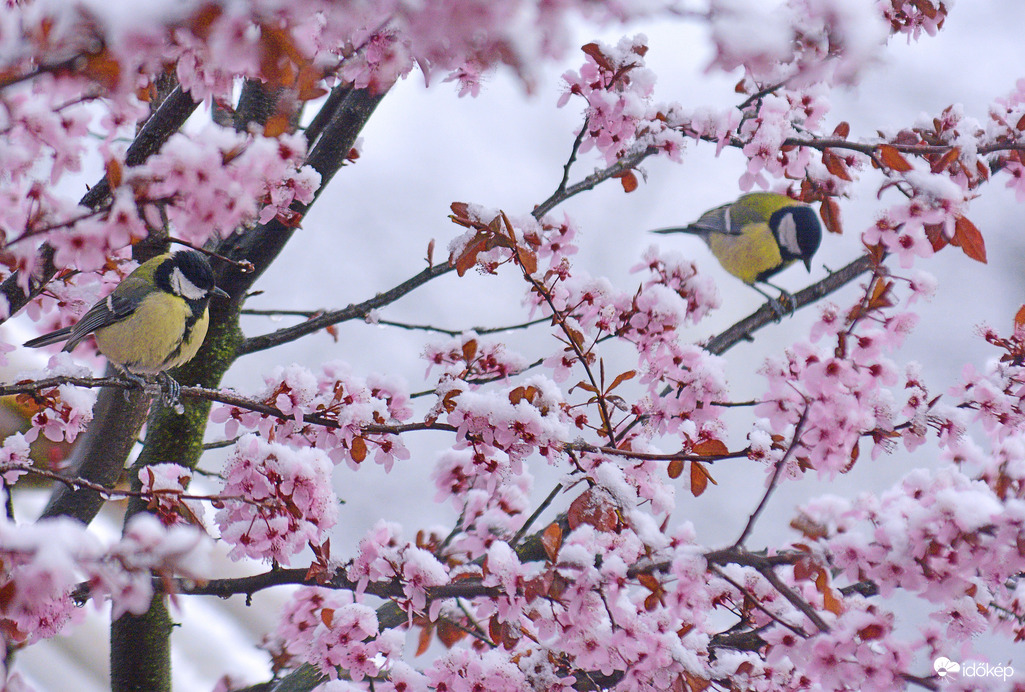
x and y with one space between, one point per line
835 165
277 124
460 213
969 239
829 599
114 177
699 478
893 158
936 237
424 642
595 508
843 129
449 634
675 468
527 258
594 50
551 539
470 252
358 449
711 448
629 181
944 161
621 378
1019 318
829 212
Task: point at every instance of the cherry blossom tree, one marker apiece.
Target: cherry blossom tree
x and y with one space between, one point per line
220 125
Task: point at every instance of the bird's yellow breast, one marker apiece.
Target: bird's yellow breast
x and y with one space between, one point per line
156 337
750 255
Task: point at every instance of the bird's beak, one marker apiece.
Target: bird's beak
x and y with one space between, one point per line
807 263
218 292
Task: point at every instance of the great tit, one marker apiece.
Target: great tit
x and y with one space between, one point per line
757 236
155 320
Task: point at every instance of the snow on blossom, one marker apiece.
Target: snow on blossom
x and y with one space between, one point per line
276 499
348 401
328 629
489 496
838 399
45 561
465 669
516 420
216 179
60 413
778 41
384 556
14 458
919 535
165 484
618 90
471 357
149 548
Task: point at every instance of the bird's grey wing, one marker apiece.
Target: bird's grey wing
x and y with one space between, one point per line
114 308
717 221
712 221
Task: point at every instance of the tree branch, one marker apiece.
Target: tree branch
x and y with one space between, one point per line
357 311
742 330
628 162
776 473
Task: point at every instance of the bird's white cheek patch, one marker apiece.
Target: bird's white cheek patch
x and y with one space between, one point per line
185 288
788 235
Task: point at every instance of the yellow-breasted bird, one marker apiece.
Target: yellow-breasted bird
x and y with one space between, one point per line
757 236
155 320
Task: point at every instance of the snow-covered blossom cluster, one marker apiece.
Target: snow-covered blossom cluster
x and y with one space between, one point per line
332 631
44 564
276 499
941 536
60 413
346 401
618 89
213 181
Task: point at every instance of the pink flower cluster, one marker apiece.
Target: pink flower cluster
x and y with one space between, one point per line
61 413
348 401
942 536
217 179
331 631
468 357
43 563
491 499
275 500
382 556
618 89
518 421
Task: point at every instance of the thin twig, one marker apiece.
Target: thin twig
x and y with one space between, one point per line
626 163
757 604
795 600
572 157
655 456
536 513
776 474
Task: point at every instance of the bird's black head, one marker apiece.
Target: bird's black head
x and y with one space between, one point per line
187 274
798 232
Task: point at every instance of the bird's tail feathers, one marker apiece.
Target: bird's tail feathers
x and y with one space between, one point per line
51 338
692 229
